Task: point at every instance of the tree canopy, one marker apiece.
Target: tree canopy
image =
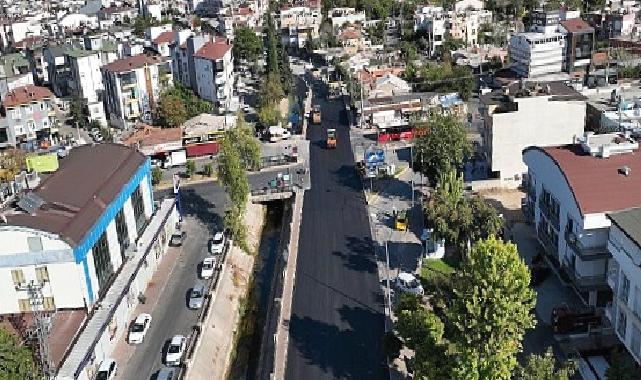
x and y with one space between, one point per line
479 332
16 360
542 367
178 104
247 45
443 148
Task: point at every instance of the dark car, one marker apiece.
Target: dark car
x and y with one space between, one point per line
177 238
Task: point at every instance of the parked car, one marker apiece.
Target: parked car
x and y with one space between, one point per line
139 328
178 238
217 244
166 373
408 283
197 295
107 370
176 350
208 266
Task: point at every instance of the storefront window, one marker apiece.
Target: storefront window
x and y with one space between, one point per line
102 263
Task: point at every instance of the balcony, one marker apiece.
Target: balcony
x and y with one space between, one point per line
613 276
551 249
128 84
611 312
551 215
592 282
585 253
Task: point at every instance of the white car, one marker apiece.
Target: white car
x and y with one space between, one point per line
107 370
217 244
175 350
139 328
208 266
408 283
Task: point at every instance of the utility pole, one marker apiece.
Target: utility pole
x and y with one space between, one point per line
41 325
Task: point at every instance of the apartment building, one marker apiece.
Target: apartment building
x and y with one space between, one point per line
132 87
29 120
432 20
579 45
14 73
214 70
85 81
536 54
299 24
523 115
624 278
465 25
570 191
57 70
205 64
342 16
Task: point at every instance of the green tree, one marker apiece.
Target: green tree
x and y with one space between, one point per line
443 148
248 145
78 111
156 175
208 169
232 175
16 360
272 45
542 367
271 91
247 45
491 310
622 367
391 345
268 115
191 168
171 111
408 51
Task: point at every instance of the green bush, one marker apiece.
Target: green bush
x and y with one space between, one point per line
156 176
208 169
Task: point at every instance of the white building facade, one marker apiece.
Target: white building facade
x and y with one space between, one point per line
214 70
133 86
85 81
536 54
299 24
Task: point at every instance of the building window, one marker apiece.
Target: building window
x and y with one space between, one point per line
18 276
42 274
625 288
139 209
621 325
48 304
34 243
24 305
122 232
102 262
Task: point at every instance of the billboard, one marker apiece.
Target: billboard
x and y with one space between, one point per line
44 163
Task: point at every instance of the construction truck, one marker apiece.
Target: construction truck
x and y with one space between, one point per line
331 139
316 115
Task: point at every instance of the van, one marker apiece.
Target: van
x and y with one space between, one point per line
166 373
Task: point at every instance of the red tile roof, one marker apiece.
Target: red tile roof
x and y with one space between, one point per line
596 183
244 11
576 25
213 50
26 94
132 63
164 38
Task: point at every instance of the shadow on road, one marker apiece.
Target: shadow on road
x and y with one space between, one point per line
346 176
359 258
193 204
351 357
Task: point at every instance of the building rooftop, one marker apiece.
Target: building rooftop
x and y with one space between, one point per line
80 53
557 91
213 50
164 38
577 25
599 185
629 221
26 94
132 63
144 135
77 194
206 123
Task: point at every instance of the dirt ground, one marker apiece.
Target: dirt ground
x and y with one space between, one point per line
507 202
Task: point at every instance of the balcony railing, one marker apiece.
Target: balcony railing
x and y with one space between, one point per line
550 215
586 282
548 244
585 253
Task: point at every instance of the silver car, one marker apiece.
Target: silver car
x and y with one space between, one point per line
197 295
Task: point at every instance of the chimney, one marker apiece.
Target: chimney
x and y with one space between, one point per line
625 170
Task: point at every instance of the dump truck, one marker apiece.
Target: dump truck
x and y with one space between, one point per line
331 139
316 115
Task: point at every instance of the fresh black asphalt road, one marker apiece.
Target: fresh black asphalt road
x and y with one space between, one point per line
337 319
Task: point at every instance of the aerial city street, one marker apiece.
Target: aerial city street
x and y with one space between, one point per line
320 189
